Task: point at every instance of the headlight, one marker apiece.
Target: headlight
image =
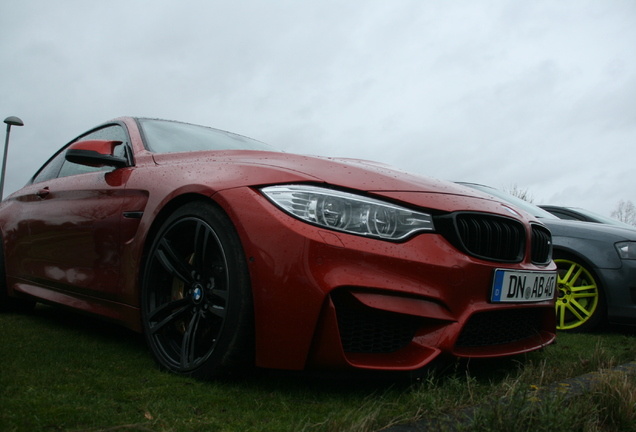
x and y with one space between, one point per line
348 212
626 250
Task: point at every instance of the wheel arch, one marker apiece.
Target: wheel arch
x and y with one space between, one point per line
566 253
574 255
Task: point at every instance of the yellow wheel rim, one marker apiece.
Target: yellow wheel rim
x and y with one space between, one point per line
578 295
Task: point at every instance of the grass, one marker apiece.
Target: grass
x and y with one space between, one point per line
61 371
609 406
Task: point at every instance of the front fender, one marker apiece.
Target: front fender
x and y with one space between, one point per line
598 254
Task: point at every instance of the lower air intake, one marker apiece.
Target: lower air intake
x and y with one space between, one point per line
366 330
500 327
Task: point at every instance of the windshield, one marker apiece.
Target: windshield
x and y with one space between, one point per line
517 202
163 136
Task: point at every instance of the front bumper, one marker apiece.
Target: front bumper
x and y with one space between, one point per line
619 287
326 299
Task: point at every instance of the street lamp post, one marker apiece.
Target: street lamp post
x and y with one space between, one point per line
10 121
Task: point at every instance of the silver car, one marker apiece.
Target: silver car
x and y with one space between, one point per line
596 265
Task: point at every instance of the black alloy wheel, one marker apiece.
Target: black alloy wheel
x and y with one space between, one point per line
196 299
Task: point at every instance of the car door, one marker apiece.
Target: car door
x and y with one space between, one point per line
73 213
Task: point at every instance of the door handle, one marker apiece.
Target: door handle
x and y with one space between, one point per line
42 193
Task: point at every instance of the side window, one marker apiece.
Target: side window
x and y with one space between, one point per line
51 169
112 133
566 216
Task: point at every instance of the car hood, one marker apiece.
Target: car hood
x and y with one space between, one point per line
351 173
259 168
588 230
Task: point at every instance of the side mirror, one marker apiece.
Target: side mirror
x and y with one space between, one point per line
95 153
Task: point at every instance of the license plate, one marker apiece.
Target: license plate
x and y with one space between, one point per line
523 286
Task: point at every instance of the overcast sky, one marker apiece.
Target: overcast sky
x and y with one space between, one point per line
540 94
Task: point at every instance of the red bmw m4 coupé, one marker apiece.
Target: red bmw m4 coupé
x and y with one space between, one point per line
229 254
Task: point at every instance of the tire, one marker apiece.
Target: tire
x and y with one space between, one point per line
580 305
10 304
196 299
